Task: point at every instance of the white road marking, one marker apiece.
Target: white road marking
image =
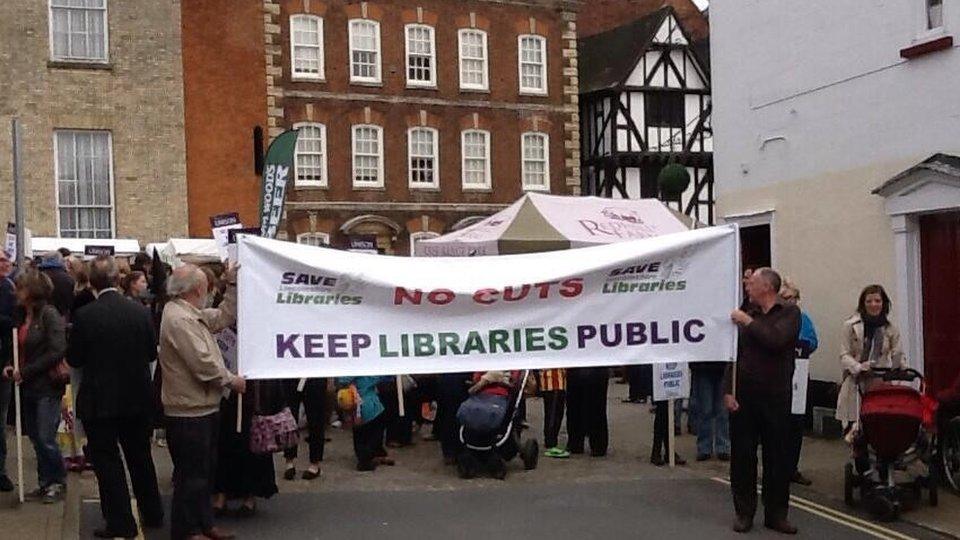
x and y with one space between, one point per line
853 522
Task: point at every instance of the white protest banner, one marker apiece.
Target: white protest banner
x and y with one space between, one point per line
801 374
316 312
221 225
671 381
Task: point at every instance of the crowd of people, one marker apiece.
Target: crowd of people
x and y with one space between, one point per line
138 347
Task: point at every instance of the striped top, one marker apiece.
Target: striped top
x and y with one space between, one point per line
551 380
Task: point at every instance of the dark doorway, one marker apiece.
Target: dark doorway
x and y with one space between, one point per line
755 246
940 275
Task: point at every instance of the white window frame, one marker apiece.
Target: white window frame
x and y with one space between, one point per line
56 178
294 74
927 12
79 59
487 185
486 63
378 65
307 237
546 161
432 82
435 156
324 182
420 235
353 152
543 65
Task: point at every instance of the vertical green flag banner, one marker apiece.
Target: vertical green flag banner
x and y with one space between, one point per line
277 169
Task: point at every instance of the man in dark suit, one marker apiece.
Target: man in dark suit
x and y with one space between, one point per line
114 342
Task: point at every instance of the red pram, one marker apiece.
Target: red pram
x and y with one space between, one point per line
893 437
890 417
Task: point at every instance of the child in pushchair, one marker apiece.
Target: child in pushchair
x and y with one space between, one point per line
892 436
489 430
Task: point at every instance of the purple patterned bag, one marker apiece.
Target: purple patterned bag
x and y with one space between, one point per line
274 433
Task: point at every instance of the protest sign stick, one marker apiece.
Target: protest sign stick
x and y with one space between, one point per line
16 399
671 438
400 403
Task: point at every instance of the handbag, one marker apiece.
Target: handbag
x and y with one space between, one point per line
273 433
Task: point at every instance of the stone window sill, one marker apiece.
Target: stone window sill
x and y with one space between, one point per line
75 64
926 45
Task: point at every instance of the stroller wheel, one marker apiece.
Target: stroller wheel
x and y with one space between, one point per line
849 482
884 508
467 465
497 466
530 454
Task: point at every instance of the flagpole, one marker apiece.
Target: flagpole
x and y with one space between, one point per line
19 422
18 193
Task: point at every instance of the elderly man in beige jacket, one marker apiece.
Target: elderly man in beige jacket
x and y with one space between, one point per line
194 377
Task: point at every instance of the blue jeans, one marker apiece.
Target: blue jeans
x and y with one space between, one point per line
6 389
713 425
41 414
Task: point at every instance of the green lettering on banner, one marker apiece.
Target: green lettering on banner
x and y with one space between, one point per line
474 344
404 345
558 338
449 340
534 339
499 338
517 339
385 351
423 345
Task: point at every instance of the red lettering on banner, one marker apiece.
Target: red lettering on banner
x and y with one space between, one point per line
401 293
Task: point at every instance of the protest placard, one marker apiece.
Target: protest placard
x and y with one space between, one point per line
671 381
221 225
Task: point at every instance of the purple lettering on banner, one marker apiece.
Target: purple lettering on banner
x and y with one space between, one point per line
336 344
313 345
585 332
359 341
689 328
287 344
636 333
655 338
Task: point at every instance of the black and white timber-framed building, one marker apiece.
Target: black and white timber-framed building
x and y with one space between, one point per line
644 103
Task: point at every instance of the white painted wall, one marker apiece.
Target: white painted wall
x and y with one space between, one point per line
824 78
813 109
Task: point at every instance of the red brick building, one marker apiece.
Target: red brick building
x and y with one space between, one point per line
417 117
225 100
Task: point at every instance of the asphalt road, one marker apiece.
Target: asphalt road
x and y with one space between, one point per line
648 508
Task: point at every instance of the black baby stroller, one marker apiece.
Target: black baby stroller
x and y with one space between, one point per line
490 447
893 440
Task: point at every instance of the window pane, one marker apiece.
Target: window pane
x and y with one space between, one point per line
366 154
83 184
309 154
532 63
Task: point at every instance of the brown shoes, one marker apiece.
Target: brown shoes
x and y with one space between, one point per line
743 524
217 534
781 526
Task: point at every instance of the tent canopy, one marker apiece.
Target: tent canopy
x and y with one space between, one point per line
186 250
121 246
538 222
